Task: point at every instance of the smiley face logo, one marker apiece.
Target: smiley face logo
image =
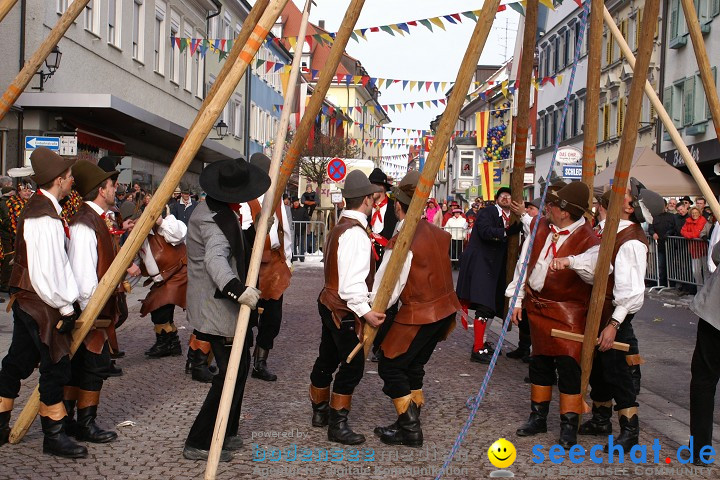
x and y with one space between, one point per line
502 453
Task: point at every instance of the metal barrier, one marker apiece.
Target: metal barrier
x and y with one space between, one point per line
652 271
686 260
308 239
459 239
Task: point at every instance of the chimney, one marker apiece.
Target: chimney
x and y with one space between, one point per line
321 24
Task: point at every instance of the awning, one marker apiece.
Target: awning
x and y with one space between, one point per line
97 138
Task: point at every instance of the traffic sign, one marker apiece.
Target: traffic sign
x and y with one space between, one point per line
68 145
32 142
573 172
336 169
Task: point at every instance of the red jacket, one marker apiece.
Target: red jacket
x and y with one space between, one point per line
692 229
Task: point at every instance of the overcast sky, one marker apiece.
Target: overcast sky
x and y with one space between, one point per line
422 55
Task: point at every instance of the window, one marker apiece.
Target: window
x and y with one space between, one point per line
689 101
577 37
138 30
187 60
237 121
62 5
175 55
277 29
115 23
677 23
605 122
160 37
613 119
557 57
620 116
541 63
200 70
567 48
616 46
546 127
226 28
678 96
541 132
91 16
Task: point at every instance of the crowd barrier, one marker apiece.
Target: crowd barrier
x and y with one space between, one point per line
686 260
308 238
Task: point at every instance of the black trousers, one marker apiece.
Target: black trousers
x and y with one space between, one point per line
406 372
335 345
90 370
162 315
26 351
269 322
610 377
543 368
705 371
201 432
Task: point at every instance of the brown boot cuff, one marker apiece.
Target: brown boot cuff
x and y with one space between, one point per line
418 397
607 404
6 404
201 345
573 404
54 412
633 360
540 393
164 327
628 412
340 402
402 403
319 395
87 398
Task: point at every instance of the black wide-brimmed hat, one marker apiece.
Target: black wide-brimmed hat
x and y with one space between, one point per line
234 181
89 176
647 204
573 197
48 165
358 185
378 177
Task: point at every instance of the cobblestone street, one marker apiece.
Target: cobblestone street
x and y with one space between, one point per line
162 401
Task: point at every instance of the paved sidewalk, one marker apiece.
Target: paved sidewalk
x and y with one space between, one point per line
162 401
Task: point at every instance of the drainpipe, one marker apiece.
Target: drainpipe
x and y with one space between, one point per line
248 82
19 111
218 5
661 82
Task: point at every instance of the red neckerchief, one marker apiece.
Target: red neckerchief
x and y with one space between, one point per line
555 238
66 228
377 240
377 216
235 207
506 218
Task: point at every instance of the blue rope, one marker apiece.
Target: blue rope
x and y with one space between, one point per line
474 403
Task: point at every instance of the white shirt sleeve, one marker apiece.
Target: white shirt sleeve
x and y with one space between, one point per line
584 264
50 273
354 250
526 221
173 230
714 239
83 255
288 236
401 282
274 237
510 290
629 290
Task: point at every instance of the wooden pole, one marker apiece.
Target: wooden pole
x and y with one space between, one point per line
619 188
5 7
592 99
185 155
576 337
31 66
522 122
251 279
701 55
666 120
427 178
318 97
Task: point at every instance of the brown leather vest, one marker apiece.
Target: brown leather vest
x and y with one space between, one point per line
329 295
429 294
275 274
169 258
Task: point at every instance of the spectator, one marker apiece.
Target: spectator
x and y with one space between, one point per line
202 196
663 226
308 200
456 225
701 204
444 210
473 211
433 214
184 207
146 201
680 216
299 214
687 201
696 227
672 205
119 195
453 205
286 199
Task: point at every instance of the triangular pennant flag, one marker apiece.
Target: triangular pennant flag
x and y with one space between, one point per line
426 23
172 42
548 4
397 29
223 42
504 89
436 84
502 8
194 45
315 74
471 16
517 7
404 27
269 66
450 19
387 29
438 22
456 16
354 37
405 83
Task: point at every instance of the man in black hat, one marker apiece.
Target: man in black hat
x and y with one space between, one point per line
382 219
218 257
183 208
44 289
555 299
481 280
344 307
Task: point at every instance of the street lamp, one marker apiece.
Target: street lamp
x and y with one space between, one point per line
52 62
221 129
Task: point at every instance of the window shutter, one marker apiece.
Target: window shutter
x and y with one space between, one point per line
668 101
608 51
620 116
674 12
638 26
715 7
688 100
606 122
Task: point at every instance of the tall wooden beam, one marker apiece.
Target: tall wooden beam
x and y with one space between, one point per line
23 78
188 149
427 178
619 188
592 98
5 7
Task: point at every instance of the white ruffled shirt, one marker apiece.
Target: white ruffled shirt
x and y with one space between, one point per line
354 250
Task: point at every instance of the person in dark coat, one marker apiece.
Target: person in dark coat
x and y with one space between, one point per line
382 220
663 226
183 208
481 281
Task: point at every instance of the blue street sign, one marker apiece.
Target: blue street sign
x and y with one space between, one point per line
32 142
336 169
573 172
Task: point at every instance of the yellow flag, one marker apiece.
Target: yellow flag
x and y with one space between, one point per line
486 179
548 4
438 22
482 123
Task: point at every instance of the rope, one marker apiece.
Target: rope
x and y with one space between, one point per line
474 402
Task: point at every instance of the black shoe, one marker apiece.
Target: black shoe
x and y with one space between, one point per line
526 380
569 429
156 345
374 357
518 353
260 369
409 432
192 453
490 347
526 358
537 423
87 430
629 432
339 431
167 345
321 413
233 443
197 364
389 430
4 427
599 424
483 356
114 370
118 354
57 443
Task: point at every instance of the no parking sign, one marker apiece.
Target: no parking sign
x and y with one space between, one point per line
336 169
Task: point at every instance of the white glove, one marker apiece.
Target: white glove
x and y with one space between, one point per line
250 297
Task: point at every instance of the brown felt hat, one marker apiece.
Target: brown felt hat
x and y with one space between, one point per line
406 188
573 197
357 185
89 176
261 161
48 165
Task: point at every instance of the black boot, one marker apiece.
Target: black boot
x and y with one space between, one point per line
87 430
56 442
260 369
523 349
409 431
4 427
319 397
600 423
70 423
537 423
629 429
338 429
199 367
156 345
636 377
568 429
168 345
